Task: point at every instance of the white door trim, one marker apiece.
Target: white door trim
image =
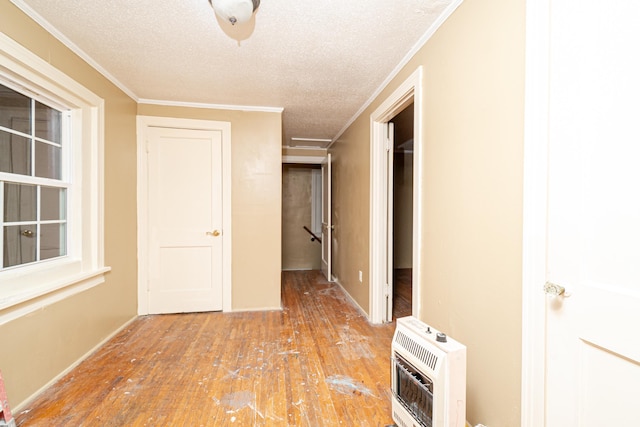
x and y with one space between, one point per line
410 89
534 237
143 123
305 160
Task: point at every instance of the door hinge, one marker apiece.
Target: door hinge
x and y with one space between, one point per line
387 288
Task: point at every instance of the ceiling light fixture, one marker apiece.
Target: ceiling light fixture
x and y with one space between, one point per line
235 11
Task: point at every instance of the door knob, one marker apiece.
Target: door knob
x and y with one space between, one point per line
554 290
214 233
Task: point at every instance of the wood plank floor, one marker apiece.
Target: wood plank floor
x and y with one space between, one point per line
402 282
318 362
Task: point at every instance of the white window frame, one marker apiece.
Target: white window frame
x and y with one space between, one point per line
31 287
38 181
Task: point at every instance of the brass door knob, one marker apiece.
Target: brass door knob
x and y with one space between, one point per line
214 233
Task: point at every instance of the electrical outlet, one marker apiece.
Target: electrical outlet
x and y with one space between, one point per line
360 276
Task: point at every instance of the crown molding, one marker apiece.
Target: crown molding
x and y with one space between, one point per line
251 108
405 60
20 4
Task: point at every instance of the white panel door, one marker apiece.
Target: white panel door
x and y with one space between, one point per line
185 220
388 293
327 226
593 247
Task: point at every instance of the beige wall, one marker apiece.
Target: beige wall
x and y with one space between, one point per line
472 152
39 346
350 211
256 207
298 251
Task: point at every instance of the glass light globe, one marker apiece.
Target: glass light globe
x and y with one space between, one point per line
233 11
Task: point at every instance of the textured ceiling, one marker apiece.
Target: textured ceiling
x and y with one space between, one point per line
320 61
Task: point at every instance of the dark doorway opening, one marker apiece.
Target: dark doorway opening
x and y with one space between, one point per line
403 212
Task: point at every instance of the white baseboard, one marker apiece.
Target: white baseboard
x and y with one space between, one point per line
22 405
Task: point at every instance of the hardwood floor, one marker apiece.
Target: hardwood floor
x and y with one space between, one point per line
318 362
402 282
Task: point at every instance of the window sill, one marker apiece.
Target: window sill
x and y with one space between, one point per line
17 301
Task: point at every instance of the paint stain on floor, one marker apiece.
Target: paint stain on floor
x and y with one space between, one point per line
238 400
347 385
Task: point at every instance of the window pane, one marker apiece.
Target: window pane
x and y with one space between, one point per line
53 240
15 110
52 203
19 202
19 244
15 154
48 161
48 123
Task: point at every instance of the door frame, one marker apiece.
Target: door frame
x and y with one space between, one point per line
143 123
534 234
409 91
328 226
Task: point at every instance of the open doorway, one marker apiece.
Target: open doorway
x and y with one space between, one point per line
402 212
301 226
384 234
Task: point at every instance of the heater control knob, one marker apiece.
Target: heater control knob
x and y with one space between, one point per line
440 337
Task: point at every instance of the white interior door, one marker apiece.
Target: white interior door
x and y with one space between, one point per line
388 293
327 226
185 220
593 246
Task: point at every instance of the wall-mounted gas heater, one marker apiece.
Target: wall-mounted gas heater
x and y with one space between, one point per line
428 376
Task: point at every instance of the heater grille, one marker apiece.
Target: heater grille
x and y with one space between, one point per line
417 350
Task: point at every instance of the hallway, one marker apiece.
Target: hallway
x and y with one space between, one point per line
317 362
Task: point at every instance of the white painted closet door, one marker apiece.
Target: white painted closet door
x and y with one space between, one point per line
185 220
593 345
